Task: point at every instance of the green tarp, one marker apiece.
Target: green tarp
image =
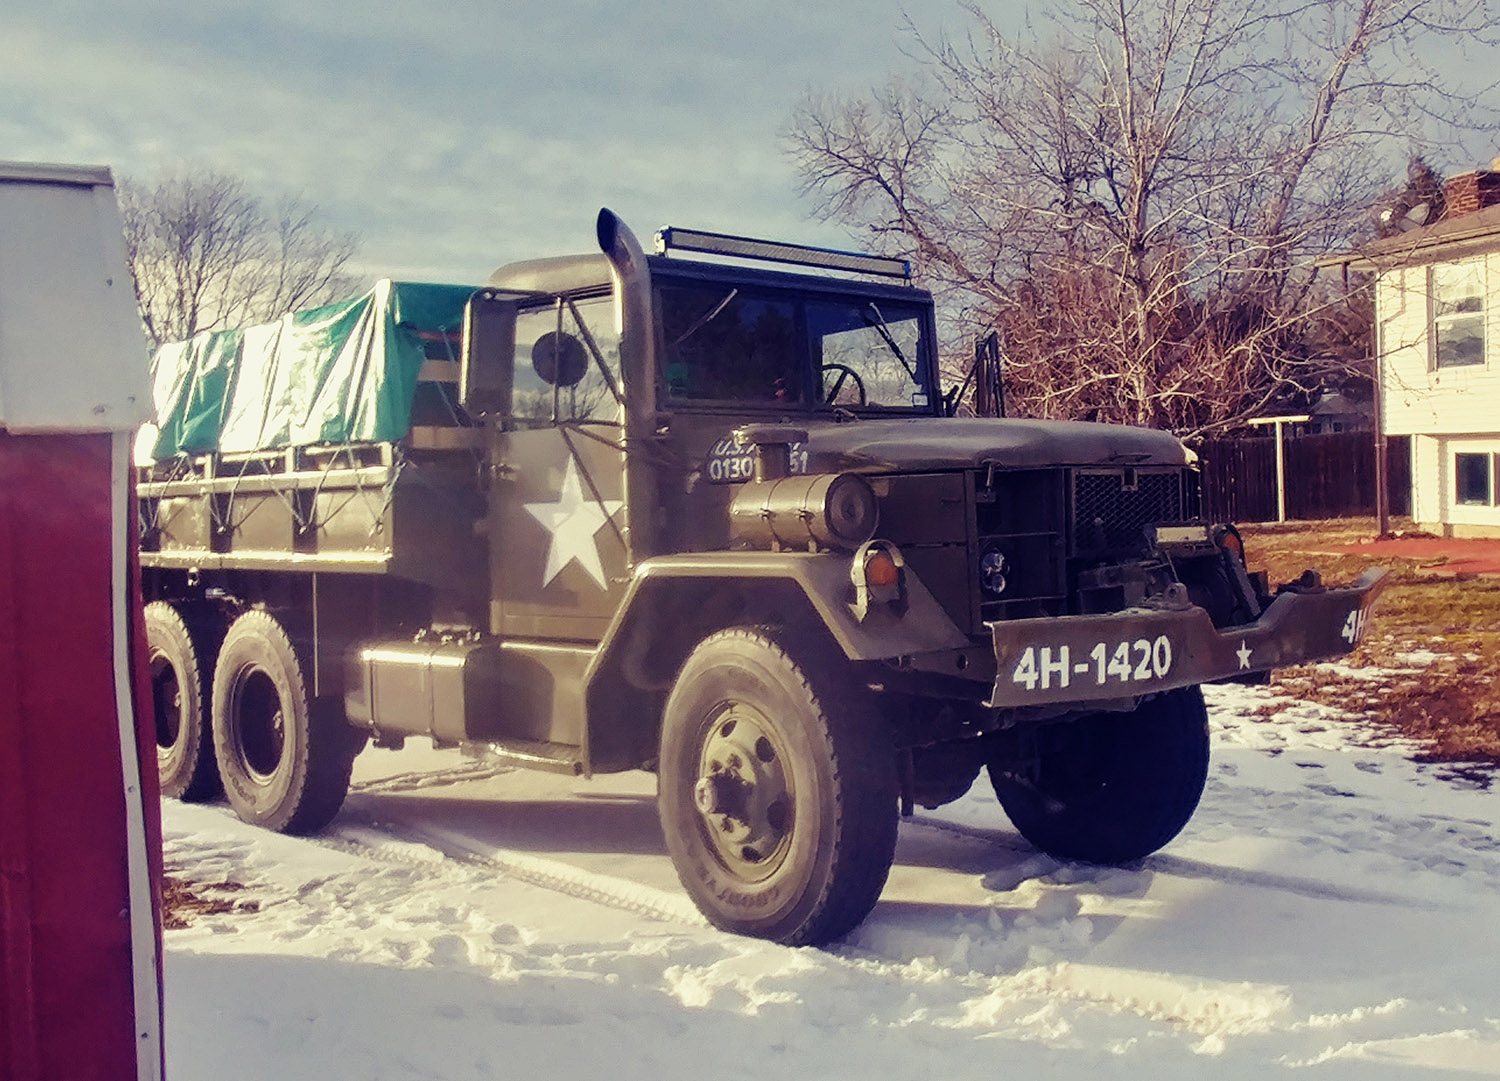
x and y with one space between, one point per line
345 372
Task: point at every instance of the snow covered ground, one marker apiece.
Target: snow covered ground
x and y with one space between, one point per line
1333 911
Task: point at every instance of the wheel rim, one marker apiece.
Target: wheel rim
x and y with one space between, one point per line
258 723
743 794
166 699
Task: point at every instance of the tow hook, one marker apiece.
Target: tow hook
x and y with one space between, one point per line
1309 581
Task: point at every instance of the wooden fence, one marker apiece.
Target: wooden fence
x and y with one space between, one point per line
1327 476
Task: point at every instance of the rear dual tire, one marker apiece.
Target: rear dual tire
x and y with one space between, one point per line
285 760
179 658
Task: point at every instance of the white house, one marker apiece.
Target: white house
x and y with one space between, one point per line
1437 323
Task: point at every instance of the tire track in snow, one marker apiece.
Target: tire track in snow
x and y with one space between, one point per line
1040 865
1034 948
1206 1010
415 914
403 842
417 780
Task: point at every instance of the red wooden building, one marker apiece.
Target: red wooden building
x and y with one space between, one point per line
80 966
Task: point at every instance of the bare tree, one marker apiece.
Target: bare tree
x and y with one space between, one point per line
207 253
1135 198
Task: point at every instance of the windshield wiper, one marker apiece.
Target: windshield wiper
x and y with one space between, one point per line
890 342
704 319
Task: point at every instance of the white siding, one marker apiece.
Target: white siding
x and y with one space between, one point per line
1427 481
1435 504
1416 397
1462 514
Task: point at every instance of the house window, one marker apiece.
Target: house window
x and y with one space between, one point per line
1475 475
1457 314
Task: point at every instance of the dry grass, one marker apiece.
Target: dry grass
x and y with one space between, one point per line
1451 705
182 900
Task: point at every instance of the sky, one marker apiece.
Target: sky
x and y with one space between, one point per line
456 135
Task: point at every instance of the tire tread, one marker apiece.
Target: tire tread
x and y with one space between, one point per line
1156 796
320 781
199 780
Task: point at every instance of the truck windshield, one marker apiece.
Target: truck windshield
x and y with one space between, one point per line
728 343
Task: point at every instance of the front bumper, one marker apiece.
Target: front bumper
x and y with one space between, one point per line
1142 651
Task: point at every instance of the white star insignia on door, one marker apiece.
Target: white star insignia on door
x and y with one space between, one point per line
1243 653
573 520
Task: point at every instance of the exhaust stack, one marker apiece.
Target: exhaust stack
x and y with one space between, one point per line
633 315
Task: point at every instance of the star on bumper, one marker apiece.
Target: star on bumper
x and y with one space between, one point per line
1243 653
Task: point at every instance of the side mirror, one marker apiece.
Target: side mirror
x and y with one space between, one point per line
560 359
487 369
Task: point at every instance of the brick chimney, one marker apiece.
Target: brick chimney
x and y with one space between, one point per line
1471 191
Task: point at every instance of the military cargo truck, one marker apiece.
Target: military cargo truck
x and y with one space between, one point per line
703 515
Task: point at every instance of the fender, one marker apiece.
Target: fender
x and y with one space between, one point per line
663 616
822 578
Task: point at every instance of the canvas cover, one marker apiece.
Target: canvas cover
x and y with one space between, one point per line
344 372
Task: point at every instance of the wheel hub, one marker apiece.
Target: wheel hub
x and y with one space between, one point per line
259 725
166 694
722 793
743 792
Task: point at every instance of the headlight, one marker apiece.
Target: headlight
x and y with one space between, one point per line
993 567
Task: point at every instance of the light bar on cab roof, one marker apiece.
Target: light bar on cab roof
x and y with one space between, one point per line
776 251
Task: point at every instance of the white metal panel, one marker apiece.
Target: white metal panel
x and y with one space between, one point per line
144 956
73 355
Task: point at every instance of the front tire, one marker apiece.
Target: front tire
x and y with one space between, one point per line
285 761
179 657
1111 787
777 788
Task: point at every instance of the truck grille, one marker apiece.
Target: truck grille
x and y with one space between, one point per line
1111 508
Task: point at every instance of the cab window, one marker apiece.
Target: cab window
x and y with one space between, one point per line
559 346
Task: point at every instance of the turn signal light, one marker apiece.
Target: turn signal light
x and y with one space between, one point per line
878 576
880 571
1229 539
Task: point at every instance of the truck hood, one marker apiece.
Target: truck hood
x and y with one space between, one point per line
930 443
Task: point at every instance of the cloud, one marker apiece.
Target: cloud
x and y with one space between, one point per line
456 136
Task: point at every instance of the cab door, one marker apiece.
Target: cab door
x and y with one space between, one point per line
558 519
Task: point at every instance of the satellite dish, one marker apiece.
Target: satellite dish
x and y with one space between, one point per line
1414 218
